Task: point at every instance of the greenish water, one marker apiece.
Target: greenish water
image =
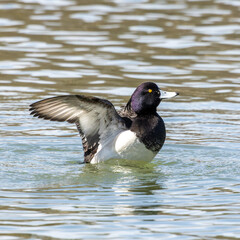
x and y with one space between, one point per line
191 190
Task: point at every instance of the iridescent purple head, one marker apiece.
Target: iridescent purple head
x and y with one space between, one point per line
147 97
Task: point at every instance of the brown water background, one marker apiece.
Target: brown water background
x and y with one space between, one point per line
103 48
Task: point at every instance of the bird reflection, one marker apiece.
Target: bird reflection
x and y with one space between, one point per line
124 177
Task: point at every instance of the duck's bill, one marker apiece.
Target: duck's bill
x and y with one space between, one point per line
165 95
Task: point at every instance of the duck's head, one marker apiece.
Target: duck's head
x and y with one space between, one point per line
147 97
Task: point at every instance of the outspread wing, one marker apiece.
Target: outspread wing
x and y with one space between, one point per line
93 116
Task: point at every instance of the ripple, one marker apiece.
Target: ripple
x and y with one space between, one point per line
5 22
120 91
87 17
217 30
88 40
14 39
56 74
229 52
172 57
15 65
116 62
31 46
120 18
199 12
231 2
99 8
50 3
105 49
212 67
10 91
144 28
164 6
46 17
156 69
118 49
9 6
159 41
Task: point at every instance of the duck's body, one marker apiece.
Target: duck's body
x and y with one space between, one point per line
140 142
125 145
136 132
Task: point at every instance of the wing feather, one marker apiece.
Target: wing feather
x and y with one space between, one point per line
95 118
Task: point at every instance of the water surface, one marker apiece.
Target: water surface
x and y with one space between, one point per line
191 189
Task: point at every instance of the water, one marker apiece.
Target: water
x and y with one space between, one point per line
191 189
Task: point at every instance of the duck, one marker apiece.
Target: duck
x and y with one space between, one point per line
135 132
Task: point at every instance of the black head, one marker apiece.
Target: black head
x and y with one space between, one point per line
145 98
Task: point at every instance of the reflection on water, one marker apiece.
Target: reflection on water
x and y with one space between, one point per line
107 48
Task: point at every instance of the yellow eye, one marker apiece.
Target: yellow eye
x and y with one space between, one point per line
149 90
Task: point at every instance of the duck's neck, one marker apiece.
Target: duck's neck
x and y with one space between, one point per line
150 130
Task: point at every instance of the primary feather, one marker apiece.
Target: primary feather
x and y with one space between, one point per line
94 117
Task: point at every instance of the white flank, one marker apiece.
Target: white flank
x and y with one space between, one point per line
123 146
129 147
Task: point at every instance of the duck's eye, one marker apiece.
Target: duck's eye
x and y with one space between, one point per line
149 90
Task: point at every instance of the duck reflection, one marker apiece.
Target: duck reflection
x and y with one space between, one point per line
124 177
131 189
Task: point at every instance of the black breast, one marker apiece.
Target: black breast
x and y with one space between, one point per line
150 130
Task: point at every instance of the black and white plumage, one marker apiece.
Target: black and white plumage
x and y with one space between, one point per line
136 132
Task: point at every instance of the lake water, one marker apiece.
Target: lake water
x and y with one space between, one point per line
191 190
